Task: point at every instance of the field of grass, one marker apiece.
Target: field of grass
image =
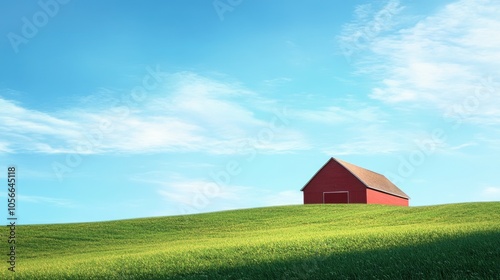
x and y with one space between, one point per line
453 241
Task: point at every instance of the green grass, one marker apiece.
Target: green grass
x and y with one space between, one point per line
454 241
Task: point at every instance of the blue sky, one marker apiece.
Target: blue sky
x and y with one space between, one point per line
114 110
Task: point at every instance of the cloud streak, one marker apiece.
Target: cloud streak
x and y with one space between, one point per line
368 23
449 60
195 196
188 113
45 200
490 194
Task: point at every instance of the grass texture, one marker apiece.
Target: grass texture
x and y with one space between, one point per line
453 241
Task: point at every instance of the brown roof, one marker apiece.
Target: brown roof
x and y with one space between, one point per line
371 179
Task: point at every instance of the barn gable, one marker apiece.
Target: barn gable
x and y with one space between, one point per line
338 178
373 180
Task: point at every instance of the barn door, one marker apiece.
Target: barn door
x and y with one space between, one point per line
336 197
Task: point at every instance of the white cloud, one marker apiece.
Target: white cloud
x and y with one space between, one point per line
341 115
368 23
365 146
450 60
490 194
4 147
30 130
194 196
358 128
58 202
15 118
277 82
284 198
462 146
372 139
187 113
137 133
492 140
214 193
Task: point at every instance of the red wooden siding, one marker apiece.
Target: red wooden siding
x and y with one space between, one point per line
342 182
376 197
333 177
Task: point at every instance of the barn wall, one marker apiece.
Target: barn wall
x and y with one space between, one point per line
376 197
334 177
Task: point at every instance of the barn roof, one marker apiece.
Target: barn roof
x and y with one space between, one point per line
371 179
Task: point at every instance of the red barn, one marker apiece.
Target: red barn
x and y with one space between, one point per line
342 182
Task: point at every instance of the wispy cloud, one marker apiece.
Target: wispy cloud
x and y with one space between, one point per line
462 146
31 130
357 128
490 194
188 196
49 201
276 82
4 147
450 60
194 196
283 198
59 202
372 140
490 140
213 193
368 23
188 113
341 115
186 191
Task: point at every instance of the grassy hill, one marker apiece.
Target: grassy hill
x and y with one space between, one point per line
454 241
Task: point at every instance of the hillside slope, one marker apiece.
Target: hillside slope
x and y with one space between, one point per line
454 241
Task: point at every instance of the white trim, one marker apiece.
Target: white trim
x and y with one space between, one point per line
337 192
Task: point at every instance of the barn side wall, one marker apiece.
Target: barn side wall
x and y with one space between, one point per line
334 177
377 197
